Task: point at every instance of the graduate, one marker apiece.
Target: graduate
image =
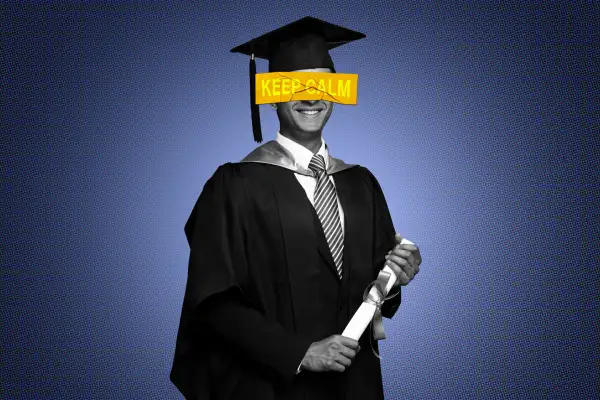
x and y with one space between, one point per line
282 247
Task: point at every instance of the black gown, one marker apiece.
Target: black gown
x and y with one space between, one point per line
262 284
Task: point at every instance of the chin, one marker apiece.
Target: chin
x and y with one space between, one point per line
309 131
310 126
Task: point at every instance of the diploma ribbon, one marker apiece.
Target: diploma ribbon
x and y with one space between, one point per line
377 300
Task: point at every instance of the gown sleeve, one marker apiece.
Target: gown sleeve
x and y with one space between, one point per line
384 240
260 340
217 268
215 234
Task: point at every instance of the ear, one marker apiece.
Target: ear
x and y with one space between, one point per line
274 106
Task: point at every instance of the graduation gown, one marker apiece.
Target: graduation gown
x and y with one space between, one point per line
262 284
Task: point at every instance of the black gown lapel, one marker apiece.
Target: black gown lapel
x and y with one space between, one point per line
292 202
299 238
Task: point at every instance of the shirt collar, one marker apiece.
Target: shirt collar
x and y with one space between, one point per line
301 154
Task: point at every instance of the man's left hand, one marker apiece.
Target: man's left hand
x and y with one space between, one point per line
404 260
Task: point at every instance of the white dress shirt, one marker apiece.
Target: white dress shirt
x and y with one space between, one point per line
302 156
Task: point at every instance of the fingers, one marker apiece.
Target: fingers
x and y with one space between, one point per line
413 249
401 276
342 351
348 342
408 252
403 263
405 255
408 246
345 361
342 360
347 352
335 366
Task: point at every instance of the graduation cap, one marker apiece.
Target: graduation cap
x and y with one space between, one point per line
303 44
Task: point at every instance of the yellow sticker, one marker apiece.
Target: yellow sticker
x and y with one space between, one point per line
280 87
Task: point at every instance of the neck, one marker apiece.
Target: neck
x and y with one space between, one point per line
312 141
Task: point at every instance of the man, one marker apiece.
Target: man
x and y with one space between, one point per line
282 247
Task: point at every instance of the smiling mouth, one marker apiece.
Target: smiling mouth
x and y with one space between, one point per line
309 112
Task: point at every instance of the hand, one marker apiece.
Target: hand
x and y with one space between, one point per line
404 260
334 353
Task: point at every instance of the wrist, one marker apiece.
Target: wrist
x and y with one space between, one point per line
299 369
301 366
304 362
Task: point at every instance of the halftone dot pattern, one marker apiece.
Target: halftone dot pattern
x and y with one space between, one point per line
479 120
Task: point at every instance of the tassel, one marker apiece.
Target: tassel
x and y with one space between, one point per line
253 106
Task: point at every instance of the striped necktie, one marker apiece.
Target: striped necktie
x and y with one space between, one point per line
325 201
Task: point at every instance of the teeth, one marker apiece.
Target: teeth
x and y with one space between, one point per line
309 112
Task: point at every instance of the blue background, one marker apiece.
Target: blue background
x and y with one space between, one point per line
480 120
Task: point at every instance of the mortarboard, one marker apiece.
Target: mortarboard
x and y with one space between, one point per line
303 44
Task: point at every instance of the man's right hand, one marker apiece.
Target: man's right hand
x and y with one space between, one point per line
334 353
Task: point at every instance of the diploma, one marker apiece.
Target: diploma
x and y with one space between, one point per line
369 307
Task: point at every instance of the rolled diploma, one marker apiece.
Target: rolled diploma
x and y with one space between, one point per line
361 318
